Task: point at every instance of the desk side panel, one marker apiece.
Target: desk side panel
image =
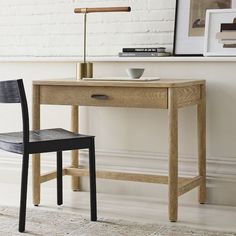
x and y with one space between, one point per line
188 96
104 96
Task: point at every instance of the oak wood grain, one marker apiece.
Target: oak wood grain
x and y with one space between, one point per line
201 123
75 182
166 83
189 95
36 167
186 186
167 94
173 154
116 175
116 96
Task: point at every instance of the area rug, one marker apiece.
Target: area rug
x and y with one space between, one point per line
58 223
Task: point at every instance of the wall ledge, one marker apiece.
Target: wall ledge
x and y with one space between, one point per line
117 59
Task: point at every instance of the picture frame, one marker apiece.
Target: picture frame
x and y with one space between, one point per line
190 24
220 30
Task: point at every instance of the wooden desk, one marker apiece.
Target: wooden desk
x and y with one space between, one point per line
163 94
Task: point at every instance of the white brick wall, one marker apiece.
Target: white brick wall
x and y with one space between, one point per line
50 28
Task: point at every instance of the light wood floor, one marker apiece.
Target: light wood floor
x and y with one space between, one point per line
139 209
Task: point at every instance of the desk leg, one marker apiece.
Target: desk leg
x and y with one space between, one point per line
75 183
173 154
201 120
36 157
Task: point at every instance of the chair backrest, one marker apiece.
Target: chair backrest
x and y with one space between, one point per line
12 91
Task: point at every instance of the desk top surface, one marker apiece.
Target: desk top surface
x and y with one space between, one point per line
162 83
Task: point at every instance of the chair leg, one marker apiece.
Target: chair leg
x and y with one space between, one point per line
59 179
23 198
92 174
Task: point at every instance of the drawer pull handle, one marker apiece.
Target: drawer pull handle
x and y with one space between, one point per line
99 96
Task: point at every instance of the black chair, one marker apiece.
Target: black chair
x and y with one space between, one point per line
51 140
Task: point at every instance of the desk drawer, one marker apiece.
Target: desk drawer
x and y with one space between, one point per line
104 96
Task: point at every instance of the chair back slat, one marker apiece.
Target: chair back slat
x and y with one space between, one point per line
13 91
9 92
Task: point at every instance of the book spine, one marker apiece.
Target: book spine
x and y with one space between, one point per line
138 54
227 35
229 46
227 26
141 50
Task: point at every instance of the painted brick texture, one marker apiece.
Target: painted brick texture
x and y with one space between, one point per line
50 28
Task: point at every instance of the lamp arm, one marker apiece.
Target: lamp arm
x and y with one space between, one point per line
102 9
99 9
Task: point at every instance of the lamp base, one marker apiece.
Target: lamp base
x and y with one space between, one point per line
84 70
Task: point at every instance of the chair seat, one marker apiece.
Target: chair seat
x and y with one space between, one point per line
48 140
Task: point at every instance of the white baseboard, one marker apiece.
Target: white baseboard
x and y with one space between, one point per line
221 173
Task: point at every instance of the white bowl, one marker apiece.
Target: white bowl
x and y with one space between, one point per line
135 73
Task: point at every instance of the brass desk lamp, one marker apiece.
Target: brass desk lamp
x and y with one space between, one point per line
85 69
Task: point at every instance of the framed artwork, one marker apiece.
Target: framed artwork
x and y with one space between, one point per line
190 24
220 38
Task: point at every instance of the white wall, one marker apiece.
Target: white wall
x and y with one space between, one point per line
139 138
136 139
50 28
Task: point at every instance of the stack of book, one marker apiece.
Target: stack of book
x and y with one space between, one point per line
227 35
144 52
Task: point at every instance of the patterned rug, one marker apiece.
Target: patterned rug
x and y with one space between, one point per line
41 222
